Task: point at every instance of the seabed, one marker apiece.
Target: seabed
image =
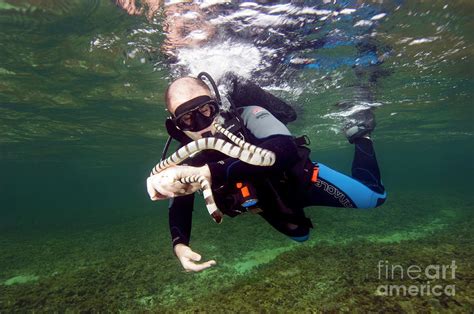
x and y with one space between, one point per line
130 266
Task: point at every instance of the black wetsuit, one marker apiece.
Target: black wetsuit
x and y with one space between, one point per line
282 201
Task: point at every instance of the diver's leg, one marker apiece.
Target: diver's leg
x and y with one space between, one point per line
335 189
364 166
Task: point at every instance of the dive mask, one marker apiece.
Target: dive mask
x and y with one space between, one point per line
196 114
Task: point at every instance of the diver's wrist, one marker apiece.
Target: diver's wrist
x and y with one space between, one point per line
178 248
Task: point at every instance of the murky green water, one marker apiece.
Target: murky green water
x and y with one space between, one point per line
81 124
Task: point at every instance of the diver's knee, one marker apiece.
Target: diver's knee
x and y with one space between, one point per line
373 201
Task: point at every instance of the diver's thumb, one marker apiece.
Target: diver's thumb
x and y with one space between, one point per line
195 256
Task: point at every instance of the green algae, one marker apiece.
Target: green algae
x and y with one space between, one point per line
6 72
77 91
422 231
21 279
147 302
6 6
253 259
130 266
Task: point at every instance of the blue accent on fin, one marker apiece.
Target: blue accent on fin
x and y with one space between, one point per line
300 239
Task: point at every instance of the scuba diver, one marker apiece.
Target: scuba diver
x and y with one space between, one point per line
278 192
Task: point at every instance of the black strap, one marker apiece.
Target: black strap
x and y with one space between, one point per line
165 149
175 133
302 140
234 123
191 104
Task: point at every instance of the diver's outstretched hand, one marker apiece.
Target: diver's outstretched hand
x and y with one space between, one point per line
188 258
166 183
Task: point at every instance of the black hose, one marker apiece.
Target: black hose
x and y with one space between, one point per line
165 150
213 83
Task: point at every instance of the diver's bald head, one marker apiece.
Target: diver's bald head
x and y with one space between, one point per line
184 89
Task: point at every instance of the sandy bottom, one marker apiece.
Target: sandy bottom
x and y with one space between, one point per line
346 265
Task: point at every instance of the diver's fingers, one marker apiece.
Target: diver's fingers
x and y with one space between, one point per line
193 256
191 188
199 267
158 188
151 191
196 185
163 191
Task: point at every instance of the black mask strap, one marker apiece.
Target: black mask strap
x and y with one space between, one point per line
191 104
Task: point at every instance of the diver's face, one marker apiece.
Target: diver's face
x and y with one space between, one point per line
195 116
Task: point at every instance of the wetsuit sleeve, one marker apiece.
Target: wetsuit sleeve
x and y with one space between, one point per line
273 135
261 123
180 218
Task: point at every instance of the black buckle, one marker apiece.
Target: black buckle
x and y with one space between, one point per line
302 140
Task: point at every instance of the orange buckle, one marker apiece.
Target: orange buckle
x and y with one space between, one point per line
314 176
243 189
